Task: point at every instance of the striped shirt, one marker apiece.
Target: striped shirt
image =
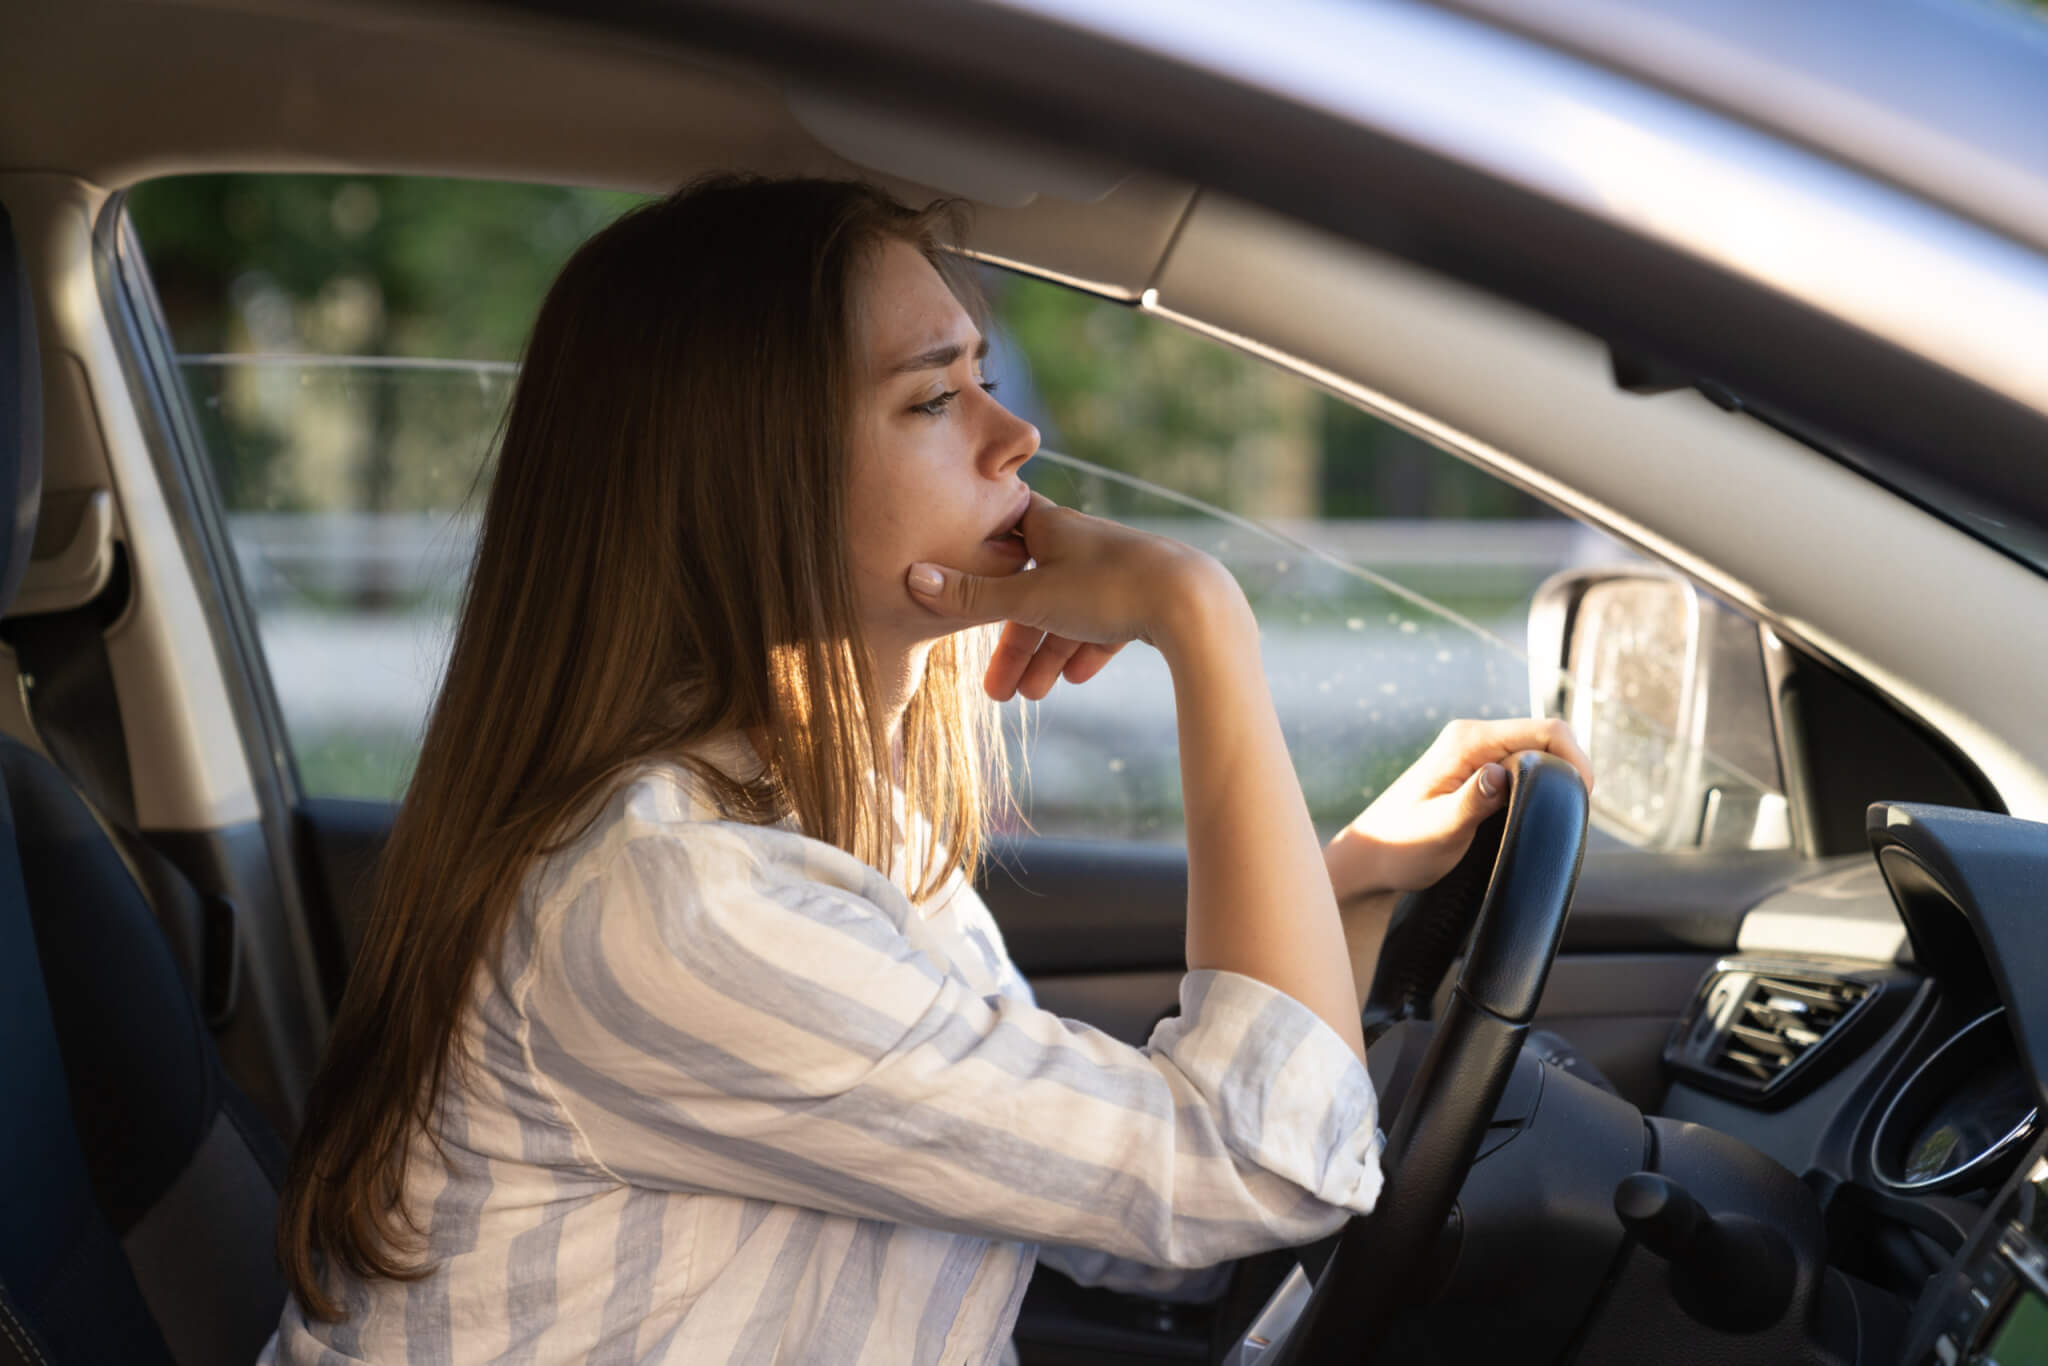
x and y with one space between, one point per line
734 1098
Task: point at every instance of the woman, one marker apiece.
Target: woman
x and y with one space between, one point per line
677 1033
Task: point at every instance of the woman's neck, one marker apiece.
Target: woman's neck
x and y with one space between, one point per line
898 674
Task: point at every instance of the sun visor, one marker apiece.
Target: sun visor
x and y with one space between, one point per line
1081 221
997 169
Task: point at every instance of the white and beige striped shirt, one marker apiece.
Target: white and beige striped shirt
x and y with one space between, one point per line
735 1099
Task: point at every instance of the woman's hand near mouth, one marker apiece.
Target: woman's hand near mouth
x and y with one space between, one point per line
1260 901
1095 586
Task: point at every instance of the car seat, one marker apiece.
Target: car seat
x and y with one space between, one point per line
138 1188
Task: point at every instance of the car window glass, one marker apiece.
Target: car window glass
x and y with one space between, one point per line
1393 584
348 346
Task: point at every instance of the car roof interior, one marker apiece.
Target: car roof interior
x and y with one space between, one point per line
96 95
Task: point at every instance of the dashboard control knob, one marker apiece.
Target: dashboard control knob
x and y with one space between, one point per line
1728 1271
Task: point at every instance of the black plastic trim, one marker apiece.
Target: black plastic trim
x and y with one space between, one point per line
1843 745
1968 885
341 838
1630 901
1076 906
265 1045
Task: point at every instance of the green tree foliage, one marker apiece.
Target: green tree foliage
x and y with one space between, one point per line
1133 394
1142 396
452 268
354 266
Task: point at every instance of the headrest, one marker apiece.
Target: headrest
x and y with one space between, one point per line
21 416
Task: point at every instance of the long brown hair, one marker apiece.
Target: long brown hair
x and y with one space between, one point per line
663 557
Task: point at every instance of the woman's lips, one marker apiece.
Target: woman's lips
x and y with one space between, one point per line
1009 540
1010 544
1014 523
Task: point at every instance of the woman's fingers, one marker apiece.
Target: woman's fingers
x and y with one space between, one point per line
1046 666
1484 793
1029 661
1088 661
1012 655
1473 743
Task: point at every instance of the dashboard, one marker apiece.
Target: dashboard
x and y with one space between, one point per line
1874 1035
1849 1167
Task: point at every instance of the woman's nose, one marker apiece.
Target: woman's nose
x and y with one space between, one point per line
1010 442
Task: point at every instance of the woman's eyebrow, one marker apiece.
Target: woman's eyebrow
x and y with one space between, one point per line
937 358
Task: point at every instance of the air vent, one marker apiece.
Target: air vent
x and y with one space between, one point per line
1753 1027
1778 1019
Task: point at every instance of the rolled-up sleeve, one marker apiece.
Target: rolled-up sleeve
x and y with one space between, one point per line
742 1012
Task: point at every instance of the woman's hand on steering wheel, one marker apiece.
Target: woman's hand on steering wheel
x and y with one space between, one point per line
1416 831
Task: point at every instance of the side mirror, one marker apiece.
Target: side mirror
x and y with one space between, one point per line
1665 688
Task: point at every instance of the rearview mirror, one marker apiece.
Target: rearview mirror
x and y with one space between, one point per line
1665 688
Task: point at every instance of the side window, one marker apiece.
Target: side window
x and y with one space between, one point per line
348 345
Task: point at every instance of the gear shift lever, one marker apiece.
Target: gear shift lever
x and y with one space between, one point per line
1728 1271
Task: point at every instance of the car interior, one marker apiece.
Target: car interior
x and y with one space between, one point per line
1820 1138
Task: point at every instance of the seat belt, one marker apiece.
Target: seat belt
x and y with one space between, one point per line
19 1345
68 693
68 684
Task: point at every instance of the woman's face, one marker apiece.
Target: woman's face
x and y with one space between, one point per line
935 460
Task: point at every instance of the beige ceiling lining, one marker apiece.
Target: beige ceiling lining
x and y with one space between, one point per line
217 87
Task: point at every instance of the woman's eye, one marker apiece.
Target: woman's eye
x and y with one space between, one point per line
934 406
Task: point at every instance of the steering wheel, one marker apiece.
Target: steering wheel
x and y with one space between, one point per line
1458 1085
